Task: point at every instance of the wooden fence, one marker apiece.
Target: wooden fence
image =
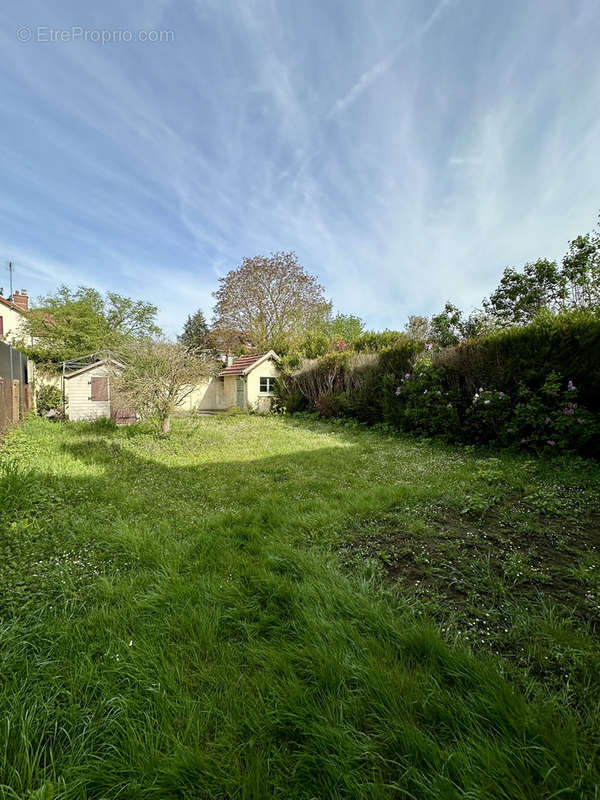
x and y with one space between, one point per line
16 396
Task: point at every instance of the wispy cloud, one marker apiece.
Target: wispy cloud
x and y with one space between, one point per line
465 161
384 64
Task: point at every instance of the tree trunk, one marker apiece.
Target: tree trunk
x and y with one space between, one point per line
166 424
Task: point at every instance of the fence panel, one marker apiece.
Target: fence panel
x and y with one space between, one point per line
16 395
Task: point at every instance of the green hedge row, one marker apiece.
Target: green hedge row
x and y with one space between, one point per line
535 387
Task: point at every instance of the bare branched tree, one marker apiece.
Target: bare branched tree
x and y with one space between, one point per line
157 378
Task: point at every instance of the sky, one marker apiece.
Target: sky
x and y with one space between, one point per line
406 150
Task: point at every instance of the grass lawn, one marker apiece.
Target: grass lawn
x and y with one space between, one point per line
268 608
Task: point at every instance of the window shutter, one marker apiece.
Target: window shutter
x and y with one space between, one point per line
99 389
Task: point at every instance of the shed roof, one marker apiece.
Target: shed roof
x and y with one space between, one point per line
245 364
100 363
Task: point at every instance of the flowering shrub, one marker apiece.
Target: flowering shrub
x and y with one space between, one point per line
420 401
487 418
553 420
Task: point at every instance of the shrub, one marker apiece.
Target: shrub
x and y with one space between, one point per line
48 396
553 420
374 342
487 418
421 401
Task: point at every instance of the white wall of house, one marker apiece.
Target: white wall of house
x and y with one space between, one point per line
12 323
255 399
230 391
78 392
205 396
219 394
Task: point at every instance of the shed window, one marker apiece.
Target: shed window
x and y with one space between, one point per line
99 389
267 385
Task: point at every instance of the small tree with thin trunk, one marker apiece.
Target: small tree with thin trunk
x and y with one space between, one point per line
157 378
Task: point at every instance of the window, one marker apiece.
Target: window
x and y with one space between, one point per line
267 385
99 389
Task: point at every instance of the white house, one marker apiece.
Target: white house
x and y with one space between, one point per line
12 315
247 382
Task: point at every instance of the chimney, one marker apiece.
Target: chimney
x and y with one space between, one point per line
20 300
229 361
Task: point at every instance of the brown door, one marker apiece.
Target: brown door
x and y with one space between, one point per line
99 389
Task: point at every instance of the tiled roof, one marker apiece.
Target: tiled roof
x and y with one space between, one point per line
240 365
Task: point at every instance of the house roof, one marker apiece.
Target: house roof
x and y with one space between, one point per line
245 364
10 305
95 364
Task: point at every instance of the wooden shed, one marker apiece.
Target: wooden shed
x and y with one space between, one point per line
87 391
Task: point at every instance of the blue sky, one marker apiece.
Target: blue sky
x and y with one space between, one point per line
407 150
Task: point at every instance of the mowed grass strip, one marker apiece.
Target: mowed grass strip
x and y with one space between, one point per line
265 608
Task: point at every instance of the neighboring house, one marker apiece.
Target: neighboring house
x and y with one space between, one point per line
247 382
12 315
87 391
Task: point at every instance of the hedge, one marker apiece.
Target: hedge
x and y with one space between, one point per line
536 387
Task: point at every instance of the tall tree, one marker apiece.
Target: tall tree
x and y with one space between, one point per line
72 323
520 295
418 328
581 270
446 327
195 332
347 326
267 300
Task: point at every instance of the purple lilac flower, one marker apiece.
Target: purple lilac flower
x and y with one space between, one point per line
568 411
428 346
398 390
551 442
579 419
500 395
548 420
407 376
571 387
